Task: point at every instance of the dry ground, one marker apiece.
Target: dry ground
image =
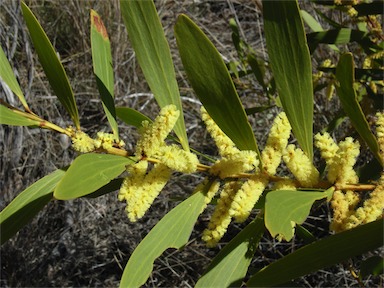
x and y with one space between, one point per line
87 242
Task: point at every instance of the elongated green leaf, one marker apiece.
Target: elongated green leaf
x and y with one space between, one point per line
172 231
131 116
347 94
6 74
285 208
321 254
314 25
103 68
337 36
9 117
89 172
229 267
27 204
291 66
51 64
114 185
212 83
152 51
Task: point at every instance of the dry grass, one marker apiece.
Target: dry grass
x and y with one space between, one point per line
87 242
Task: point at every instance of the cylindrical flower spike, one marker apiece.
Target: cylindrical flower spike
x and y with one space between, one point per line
340 159
153 135
286 184
221 218
108 140
223 142
343 205
246 197
140 191
136 176
276 143
347 154
210 193
81 142
177 159
380 133
372 208
301 166
239 162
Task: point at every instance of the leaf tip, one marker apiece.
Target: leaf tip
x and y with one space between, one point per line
98 24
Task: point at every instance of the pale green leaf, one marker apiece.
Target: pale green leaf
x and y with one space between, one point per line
314 25
10 117
103 68
230 266
172 231
131 116
6 74
291 66
27 204
88 173
212 83
286 208
152 51
347 94
321 254
51 64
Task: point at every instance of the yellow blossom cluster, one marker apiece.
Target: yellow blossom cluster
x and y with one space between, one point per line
343 205
140 188
224 144
301 166
380 132
233 161
285 184
152 142
247 196
237 198
107 141
81 142
221 217
339 158
276 143
370 211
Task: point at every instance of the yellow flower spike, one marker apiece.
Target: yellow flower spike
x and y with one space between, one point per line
223 142
343 205
221 218
81 142
371 210
239 162
276 143
147 191
153 135
212 190
340 209
380 132
347 154
177 159
327 146
132 183
246 197
340 159
301 166
286 184
107 141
